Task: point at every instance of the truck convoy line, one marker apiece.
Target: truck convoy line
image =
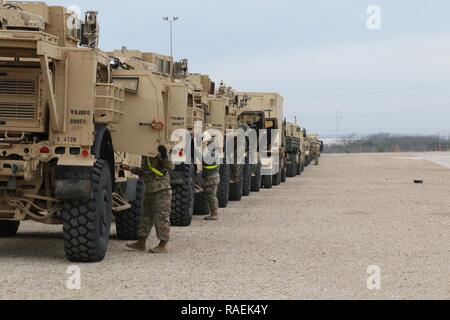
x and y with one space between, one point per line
71 115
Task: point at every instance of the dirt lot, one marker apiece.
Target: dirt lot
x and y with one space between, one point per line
313 237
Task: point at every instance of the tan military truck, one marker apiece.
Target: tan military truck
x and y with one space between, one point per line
185 102
303 143
314 147
293 140
206 107
69 118
264 111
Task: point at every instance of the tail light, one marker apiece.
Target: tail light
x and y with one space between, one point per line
44 150
85 153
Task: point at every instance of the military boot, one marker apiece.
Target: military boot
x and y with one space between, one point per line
160 249
138 245
213 217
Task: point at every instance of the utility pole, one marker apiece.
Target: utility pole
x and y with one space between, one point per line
171 21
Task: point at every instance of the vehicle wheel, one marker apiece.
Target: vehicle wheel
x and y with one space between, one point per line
223 192
183 200
87 223
256 180
127 222
236 188
283 175
292 166
299 168
247 180
201 206
276 178
8 228
267 182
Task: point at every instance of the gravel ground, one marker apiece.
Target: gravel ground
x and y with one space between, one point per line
312 238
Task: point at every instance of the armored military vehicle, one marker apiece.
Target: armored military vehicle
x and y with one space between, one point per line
184 102
264 113
293 134
69 119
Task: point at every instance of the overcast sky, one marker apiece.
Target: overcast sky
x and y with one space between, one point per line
318 54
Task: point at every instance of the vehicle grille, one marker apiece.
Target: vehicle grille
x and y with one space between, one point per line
25 87
19 111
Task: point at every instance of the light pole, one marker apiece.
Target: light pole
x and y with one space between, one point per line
171 21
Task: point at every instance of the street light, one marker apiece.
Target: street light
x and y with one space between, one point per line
171 21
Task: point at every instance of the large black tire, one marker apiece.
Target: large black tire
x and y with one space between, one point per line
283 177
223 191
87 223
299 167
8 228
237 188
127 222
201 205
256 180
247 180
291 170
267 182
276 178
183 200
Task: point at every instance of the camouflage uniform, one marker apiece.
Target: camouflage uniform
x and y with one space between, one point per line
211 180
158 197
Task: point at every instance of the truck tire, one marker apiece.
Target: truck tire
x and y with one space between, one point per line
292 166
8 228
87 223
267 181
276 178
201 205
256 180
127 222
283 177
247 180
223 192
183 200
299 168
236 188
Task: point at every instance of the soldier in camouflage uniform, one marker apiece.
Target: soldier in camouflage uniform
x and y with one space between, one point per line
157 202
211 181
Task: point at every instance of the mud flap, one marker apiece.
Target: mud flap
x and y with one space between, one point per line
73 182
